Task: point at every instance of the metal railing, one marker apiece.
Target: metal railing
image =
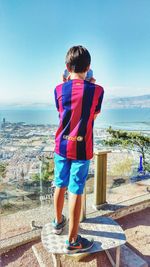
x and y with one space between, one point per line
100 177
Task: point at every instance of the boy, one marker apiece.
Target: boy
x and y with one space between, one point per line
78 103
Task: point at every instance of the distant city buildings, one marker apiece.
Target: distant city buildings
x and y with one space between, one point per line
2 124
22 145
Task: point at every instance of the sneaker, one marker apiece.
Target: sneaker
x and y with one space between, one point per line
81 245
58 227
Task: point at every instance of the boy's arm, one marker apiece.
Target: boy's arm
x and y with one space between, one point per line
98 107
56 100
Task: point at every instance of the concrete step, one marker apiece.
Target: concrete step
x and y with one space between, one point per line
127 258
45 259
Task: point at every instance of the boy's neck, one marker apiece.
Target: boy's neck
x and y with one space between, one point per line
80 76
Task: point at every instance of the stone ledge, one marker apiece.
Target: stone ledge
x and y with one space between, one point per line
21 239
116 211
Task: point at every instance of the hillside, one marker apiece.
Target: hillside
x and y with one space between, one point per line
128 102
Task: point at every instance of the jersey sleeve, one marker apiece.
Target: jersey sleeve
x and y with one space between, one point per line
56 99
100 100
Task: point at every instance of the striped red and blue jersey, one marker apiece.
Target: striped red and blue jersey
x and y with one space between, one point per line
77 102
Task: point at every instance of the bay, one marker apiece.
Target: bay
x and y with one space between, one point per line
129 119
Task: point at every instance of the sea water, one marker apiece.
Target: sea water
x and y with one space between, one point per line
129 119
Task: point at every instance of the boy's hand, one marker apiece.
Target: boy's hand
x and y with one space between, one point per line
92 80
65 79
95 115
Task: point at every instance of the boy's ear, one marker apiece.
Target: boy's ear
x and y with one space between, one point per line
88 68
68 68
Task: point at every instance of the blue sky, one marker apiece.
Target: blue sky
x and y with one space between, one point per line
36 34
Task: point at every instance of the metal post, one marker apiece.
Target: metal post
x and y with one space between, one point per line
41 189
100 177
56 260
118 256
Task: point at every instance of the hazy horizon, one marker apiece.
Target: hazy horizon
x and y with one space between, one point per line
53 104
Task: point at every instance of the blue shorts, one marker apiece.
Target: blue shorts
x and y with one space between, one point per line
70 173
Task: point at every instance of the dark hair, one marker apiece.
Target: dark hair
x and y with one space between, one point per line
78 59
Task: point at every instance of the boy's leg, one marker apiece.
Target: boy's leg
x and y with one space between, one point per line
59 203
74 215
78 174
61 181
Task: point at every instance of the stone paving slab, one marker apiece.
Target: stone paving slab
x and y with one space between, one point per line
105 232
128 258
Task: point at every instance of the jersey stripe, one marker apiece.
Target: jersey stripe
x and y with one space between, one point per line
66 102
76 107
89 133
60 128
86 105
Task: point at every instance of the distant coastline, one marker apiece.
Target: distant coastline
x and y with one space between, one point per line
131 102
